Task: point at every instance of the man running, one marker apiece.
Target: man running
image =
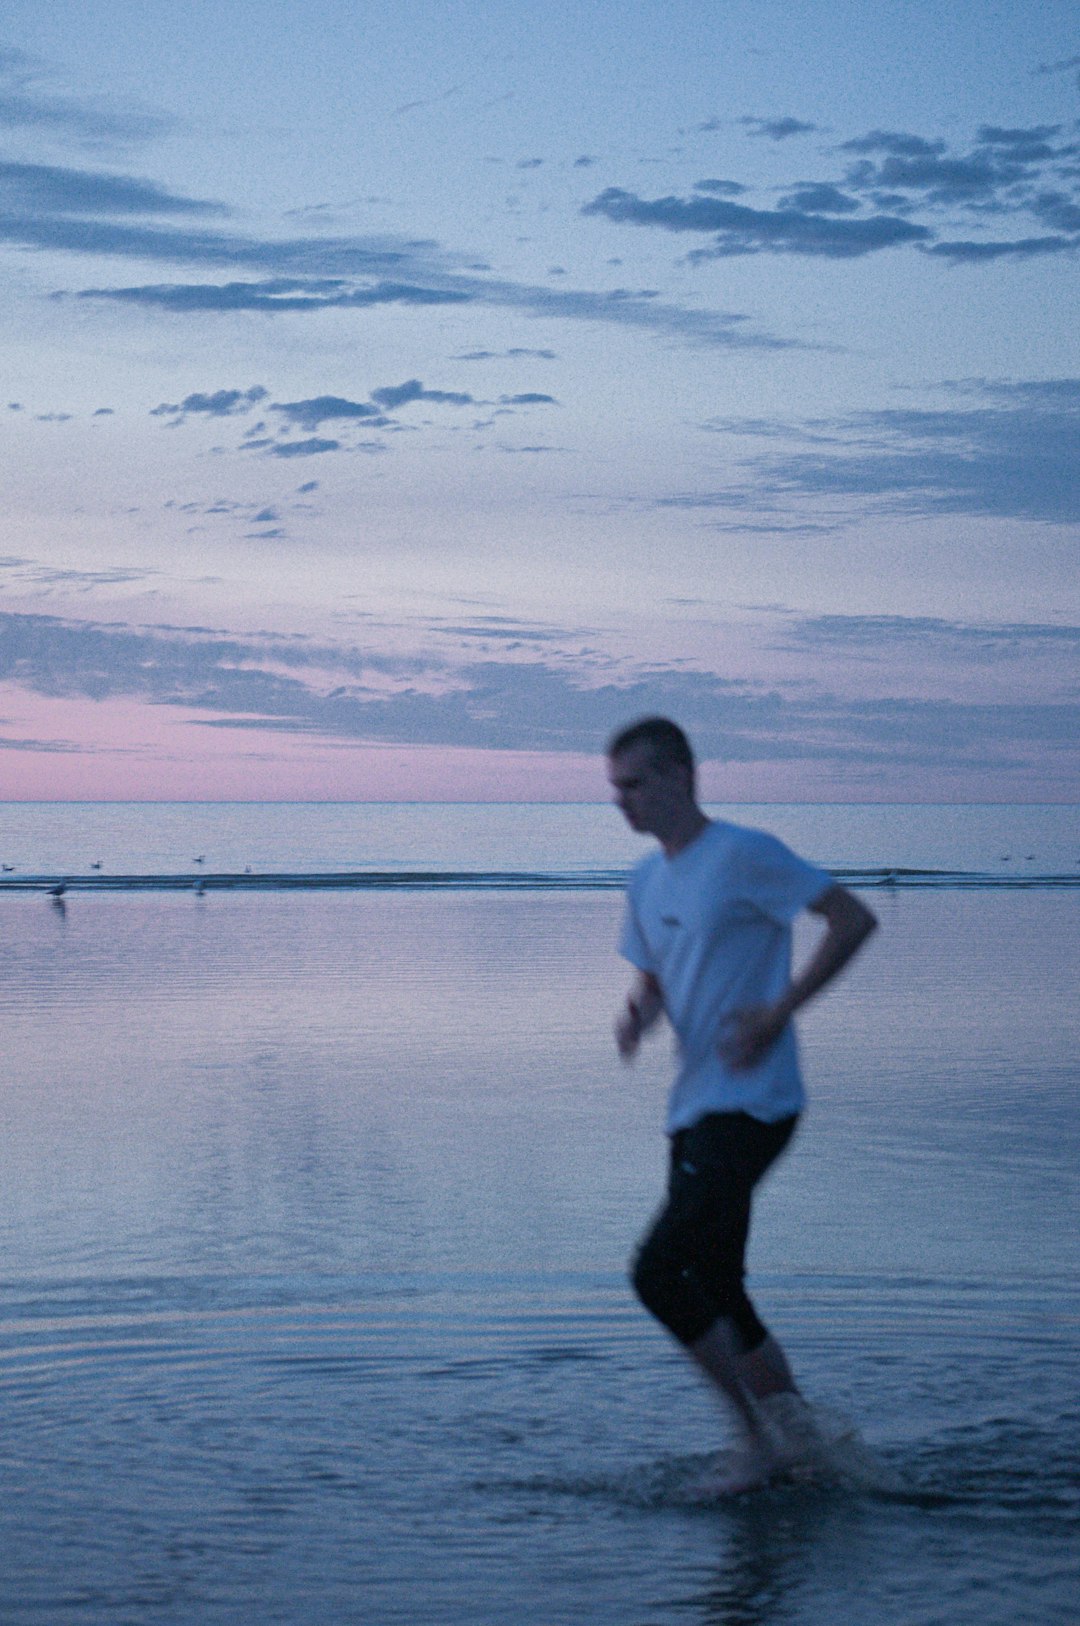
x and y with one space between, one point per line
708 927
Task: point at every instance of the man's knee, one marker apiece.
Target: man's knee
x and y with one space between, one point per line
646 1276
666 1287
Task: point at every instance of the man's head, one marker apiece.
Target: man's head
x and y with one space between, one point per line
651 768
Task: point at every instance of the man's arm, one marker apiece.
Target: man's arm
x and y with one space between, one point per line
643 1007
755 1030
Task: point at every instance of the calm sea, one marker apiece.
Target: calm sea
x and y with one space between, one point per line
110 843
317 1205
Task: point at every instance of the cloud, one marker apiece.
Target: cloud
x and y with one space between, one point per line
319 273
427 101
241 513
740 229
220 404
28 743
818 197
530 398
303 448
872 637
778 129
29 572
514 352
95 121
1008 451
726 189
392 396
941 179
47 189
969 252
323 408
896 142
1058 67
275 295
617 305
1029 144
1008 173
507 630
1057 210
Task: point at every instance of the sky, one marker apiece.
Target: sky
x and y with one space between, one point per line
398 398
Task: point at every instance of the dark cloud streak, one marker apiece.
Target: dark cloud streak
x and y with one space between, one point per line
528 703
97 122
43 190
1009 172
1008 451
740 229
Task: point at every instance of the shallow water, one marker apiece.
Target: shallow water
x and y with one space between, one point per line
313 1304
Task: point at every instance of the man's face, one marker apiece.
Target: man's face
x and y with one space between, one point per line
649 796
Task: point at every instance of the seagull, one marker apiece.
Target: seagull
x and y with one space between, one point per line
200 860
8 868
96 865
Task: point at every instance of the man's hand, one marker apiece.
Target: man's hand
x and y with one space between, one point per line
750 1034
637 1016
628 1031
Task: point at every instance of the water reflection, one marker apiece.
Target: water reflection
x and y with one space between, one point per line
767 1563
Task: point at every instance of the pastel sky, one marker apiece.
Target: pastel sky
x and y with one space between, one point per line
397 397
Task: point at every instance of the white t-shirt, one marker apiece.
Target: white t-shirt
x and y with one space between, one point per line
713 925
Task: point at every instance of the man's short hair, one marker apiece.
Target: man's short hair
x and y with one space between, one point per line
669 745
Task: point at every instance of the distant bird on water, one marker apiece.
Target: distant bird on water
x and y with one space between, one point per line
96 864
7 868
200 860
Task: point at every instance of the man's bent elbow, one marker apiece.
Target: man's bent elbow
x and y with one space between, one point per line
864 920
846 915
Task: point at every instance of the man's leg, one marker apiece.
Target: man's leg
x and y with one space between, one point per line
689 1273
719 1355
765 1370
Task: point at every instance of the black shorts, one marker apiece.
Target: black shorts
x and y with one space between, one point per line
690 1266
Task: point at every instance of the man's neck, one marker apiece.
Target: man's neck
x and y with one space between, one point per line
685 830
